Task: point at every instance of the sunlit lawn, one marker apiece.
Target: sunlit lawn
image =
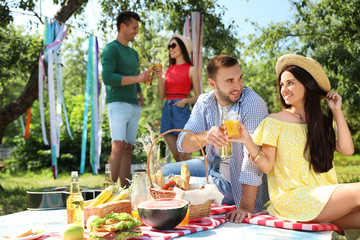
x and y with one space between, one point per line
13 198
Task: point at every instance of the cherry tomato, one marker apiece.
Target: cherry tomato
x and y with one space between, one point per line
172 183
170 188
166 187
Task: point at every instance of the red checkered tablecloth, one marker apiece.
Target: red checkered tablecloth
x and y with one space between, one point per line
202 224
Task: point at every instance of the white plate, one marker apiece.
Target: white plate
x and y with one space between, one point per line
27 237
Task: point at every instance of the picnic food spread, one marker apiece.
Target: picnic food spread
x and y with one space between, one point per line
111 215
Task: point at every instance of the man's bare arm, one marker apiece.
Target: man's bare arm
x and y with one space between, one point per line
214 137
248 197
247 204
190 144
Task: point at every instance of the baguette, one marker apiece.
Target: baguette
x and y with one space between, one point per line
159 179
185 174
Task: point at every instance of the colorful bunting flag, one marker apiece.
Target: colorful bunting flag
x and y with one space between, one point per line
193 29
54 35
92 99
27 126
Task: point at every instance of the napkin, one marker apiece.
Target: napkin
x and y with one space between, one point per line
199 196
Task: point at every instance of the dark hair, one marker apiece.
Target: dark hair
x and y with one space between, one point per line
125 17
183 51
320 143
219 61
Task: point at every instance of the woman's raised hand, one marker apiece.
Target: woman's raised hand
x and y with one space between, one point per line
334 101
216 137
244 135
158 70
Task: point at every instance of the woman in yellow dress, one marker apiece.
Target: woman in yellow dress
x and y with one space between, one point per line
295 148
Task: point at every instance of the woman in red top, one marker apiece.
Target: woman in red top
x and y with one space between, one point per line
180 77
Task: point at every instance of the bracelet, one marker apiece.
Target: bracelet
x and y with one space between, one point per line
258 156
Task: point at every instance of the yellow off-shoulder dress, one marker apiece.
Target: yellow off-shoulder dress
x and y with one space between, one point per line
297 193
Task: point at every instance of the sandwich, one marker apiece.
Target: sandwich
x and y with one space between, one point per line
114 226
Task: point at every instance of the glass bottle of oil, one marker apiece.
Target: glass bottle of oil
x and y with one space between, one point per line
108 179
75 202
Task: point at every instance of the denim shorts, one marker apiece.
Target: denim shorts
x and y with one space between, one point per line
174 117
123 121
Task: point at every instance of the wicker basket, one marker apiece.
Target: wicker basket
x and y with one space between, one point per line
105 208
161 193
195 211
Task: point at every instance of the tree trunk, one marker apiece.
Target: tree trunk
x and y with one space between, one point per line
30 93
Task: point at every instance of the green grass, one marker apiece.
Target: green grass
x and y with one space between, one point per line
347 168
13 197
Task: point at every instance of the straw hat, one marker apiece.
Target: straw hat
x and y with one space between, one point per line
187 42
308 64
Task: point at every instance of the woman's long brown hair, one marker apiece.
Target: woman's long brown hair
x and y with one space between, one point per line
320 143
183 51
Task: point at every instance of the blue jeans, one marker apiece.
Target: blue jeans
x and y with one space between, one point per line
197 169
174 117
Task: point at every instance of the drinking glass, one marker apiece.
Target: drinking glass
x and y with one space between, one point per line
154 63
225 152
231 122
149 82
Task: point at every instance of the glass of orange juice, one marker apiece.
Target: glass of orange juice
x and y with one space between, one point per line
153 64
157 64
231 122
149 82
225 152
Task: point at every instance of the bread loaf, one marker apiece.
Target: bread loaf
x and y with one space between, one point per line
159 179
185 175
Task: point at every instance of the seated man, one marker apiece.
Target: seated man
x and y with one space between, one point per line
237 176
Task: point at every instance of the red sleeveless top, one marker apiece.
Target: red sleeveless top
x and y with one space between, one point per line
177 81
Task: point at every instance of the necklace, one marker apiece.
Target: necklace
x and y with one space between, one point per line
295 114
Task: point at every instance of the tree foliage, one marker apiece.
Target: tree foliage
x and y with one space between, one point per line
18 52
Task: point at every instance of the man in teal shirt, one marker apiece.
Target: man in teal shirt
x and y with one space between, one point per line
123 94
